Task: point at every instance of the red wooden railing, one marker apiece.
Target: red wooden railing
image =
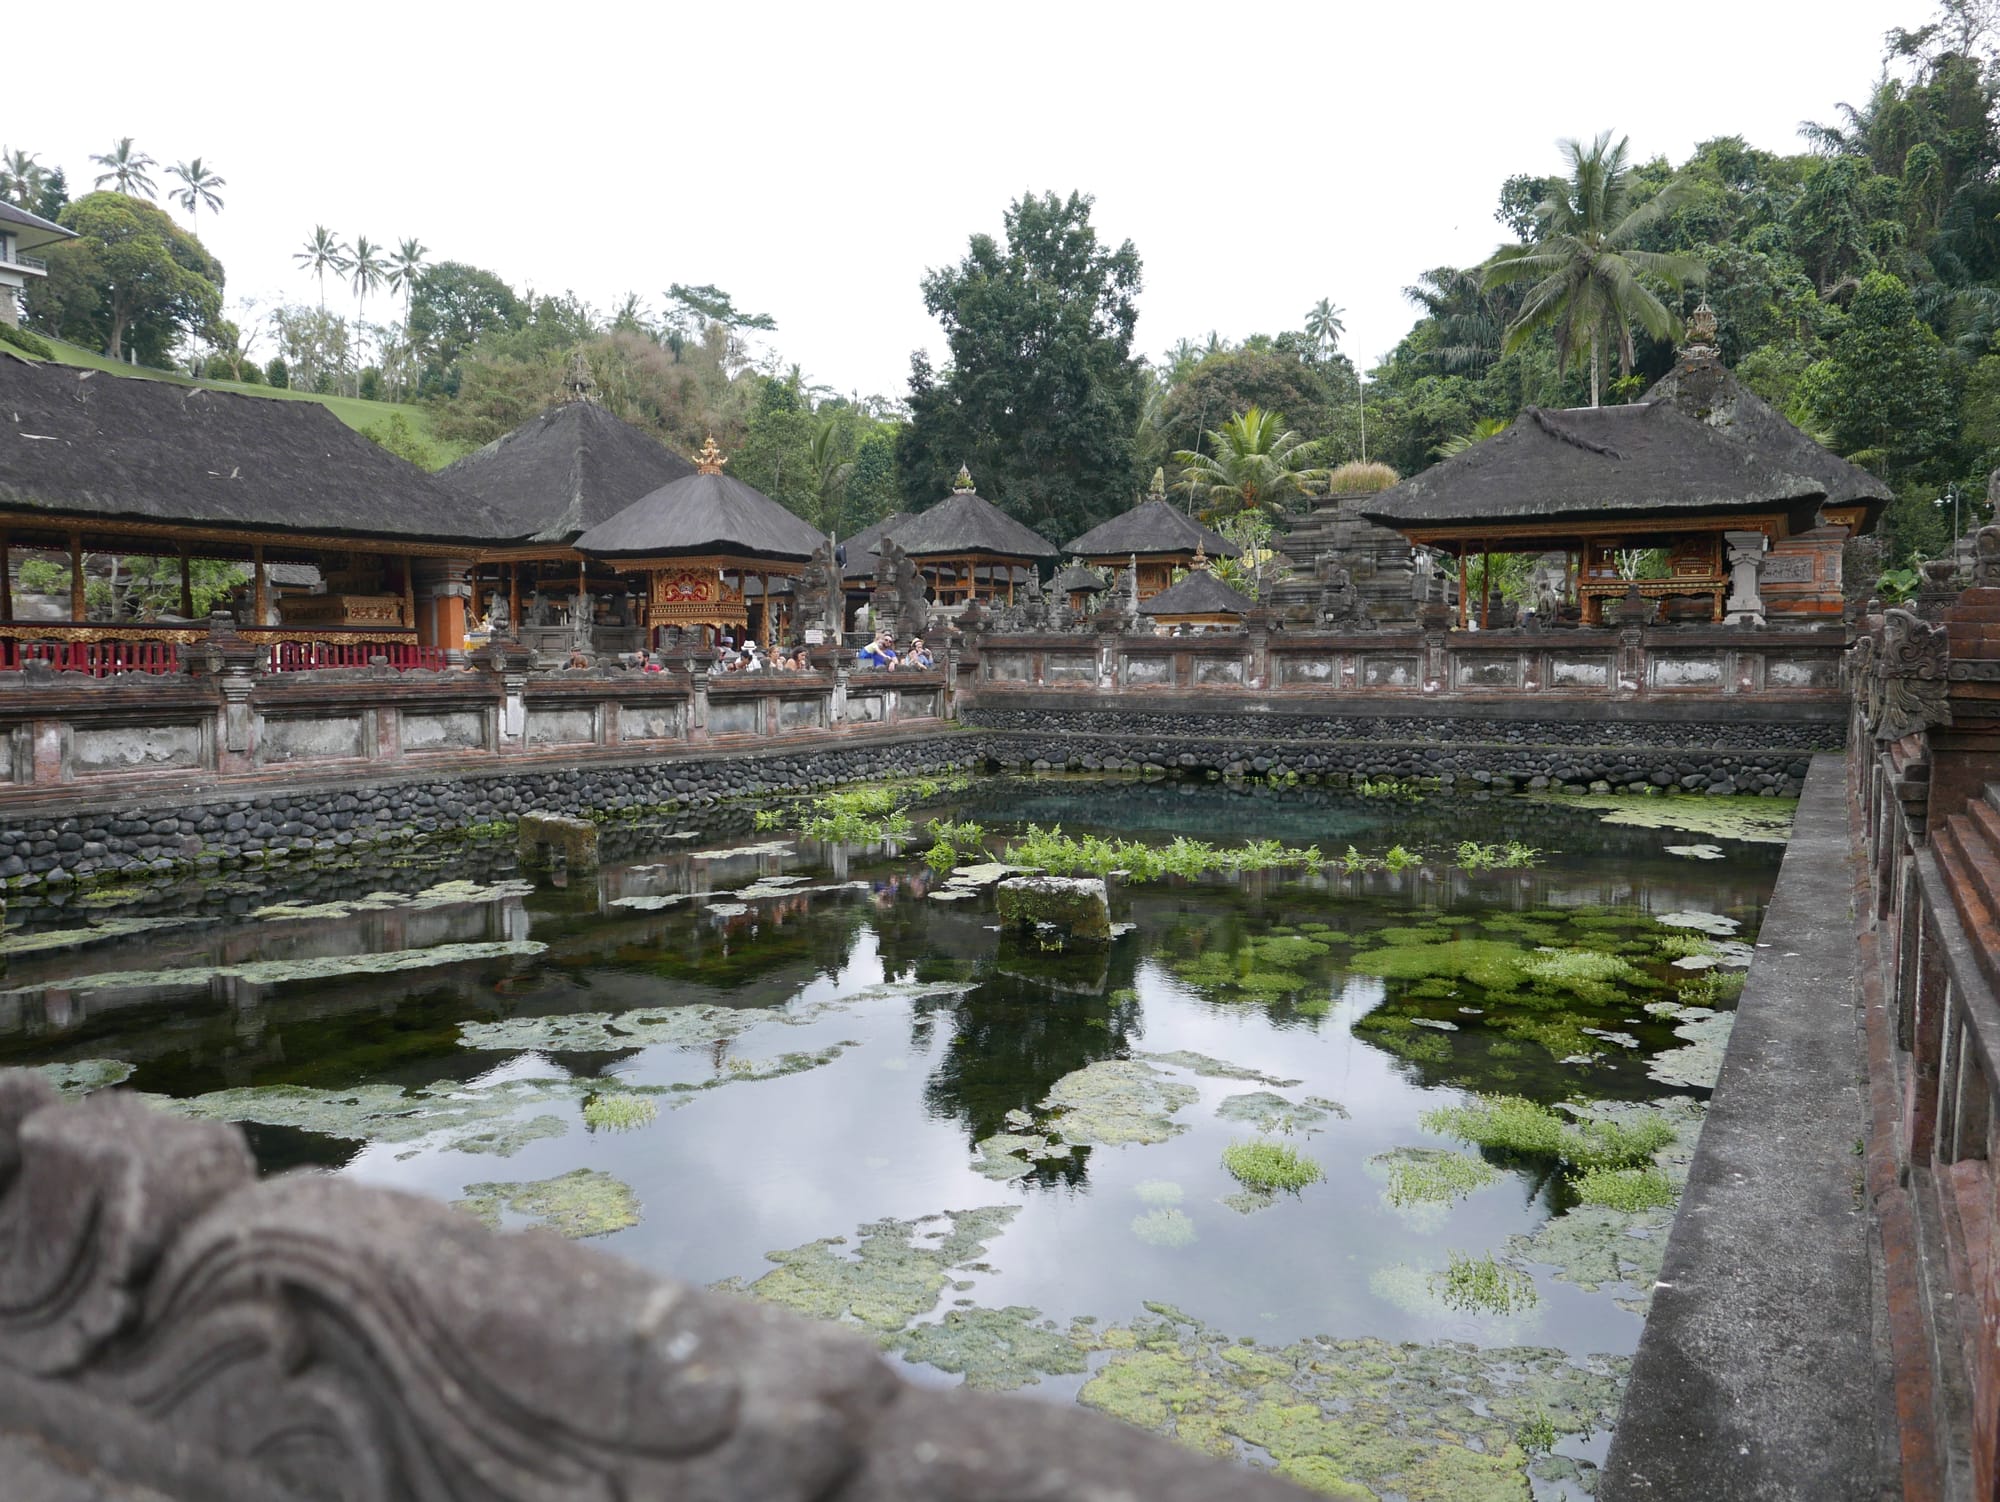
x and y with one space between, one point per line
99 659
305 656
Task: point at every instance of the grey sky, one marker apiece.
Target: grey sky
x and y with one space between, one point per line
814 160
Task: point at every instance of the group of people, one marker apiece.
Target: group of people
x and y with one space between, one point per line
882 653
750 657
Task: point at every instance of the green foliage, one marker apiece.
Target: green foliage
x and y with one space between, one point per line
1254 463
26 342
618 1112
768 818
453 306
396 434
1267 1165
132 281
941 857
1628 1189
1886 394
1041 396
1508 1123
1480 1285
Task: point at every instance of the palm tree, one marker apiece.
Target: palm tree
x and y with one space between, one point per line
323 253
1485 428
369 269
1469 329
1255 465
21 178
125 168
406 264
1324 328
830 469
1584 270
198 187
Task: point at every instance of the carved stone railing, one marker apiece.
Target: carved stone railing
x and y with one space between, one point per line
1925 771
172 1327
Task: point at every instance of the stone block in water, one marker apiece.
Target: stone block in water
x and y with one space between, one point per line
1062 910
538 836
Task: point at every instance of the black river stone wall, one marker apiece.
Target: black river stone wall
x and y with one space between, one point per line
165 832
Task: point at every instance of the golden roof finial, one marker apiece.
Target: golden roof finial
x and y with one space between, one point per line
963 484
1701 324
1157 491
709 461
1200 559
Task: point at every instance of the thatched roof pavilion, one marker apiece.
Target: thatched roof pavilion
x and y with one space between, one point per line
965 533
1155 538
859 570
1200 599
1080 584
107 463
1598 482
691 534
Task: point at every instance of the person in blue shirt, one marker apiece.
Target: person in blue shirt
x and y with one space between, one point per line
879 653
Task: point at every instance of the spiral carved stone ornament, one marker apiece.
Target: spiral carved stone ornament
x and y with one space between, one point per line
172 1328
1903 679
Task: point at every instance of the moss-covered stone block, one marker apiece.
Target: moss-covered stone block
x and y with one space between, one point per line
1063 911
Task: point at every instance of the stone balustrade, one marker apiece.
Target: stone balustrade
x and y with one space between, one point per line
173 1328
1925 792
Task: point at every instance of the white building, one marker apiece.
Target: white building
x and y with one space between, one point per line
20 234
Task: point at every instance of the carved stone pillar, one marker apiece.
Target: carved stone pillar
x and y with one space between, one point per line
444 602
237 665
836 708
1745 606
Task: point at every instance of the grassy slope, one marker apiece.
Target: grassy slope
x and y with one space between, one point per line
356 413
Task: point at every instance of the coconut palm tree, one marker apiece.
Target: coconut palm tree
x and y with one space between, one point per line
406 264
369 270
21 178
323 253
1584 270
125 169
198 187
1256 464
829 469
1324 328
1485 428
1469 328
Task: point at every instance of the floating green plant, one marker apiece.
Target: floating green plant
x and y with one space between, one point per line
1266 1165
618 1112
1509 1123
1273 1113
1766 821
17 942
1482 1285
1213 1068
1697 1064
997 1350
82 1076
1628 1189
318 967
1431 1175
582 1202
1166 1227
1114 1102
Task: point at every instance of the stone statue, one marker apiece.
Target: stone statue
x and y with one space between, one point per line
900 603
538 609
816 593
498 619
1986 558
1340 605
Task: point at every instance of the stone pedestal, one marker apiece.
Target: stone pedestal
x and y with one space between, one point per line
444 604
1745 606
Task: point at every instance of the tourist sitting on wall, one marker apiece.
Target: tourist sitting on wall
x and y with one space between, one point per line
577 658
754 660
919 655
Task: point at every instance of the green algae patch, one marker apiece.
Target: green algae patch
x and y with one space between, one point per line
1762 821
1697 1064
1627 1189
81 1076
444 894
1356 1418
481 1119
1267 1166
1213 1068
319 967
1116 1102
97 933
1267 1112
997 1350
1490 964
1484 1286
1013 1155
582 1202
1430 1175
1159 1192
896 1273
1508 1123
1165 1226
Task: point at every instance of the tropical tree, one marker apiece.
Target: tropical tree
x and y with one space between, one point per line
369 270
131 281
323 253
406 264
1324 328
1468 332
21 178
198 187
126 169
831 465
1584 270
1257 464
1485 428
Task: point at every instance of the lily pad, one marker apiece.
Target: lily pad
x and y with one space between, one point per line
582 1202
1698 1064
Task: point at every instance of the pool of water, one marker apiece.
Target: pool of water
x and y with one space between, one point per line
757 1043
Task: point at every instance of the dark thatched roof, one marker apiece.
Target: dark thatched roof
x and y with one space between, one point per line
95 447
1596 466
964 523
702 514
1077 577
1151 527
560 474
862 545
1702 387
1200 593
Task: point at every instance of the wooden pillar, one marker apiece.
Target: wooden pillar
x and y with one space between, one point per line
1485 587
1011 572
77 609
514 599
6 582
187 585
260 588
764 594
1464 584
409 592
